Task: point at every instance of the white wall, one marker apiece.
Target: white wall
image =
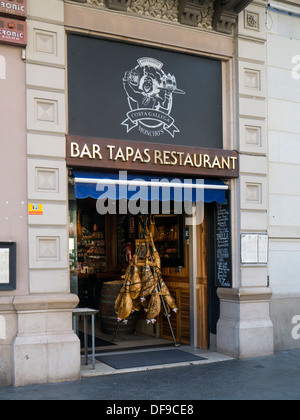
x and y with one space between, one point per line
283 41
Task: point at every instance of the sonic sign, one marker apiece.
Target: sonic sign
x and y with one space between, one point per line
13 28
13 32
14 7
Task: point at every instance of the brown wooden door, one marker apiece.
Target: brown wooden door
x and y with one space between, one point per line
179 286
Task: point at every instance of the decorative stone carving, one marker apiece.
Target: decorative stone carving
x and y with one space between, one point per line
166 10
219 15
47 179
226 13
45 42
251 20
46 110
100 3
206 16
189 11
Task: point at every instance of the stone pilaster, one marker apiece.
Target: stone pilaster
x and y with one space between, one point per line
46 348
245 328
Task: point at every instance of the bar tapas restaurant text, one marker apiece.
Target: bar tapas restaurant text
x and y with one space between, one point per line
129 155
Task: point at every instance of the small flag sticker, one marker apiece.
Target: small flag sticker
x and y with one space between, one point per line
35 209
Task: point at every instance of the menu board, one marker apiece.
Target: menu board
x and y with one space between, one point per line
8 265
254 248
223 246
4 266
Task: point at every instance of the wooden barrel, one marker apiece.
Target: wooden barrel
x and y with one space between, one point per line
108 317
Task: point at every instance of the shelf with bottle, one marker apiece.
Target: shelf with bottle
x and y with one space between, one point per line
91 252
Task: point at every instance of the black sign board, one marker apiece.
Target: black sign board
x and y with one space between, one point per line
223 246
128 92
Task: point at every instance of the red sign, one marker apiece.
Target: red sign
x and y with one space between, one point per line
13 7
13 32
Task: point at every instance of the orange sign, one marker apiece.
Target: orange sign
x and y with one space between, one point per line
35 209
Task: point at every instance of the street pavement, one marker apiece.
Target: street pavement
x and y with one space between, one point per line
274 377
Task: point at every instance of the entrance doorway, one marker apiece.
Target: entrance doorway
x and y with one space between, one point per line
194 256
101 247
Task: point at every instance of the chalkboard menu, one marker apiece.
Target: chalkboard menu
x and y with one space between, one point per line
223 246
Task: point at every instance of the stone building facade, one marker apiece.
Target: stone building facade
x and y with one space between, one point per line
37 342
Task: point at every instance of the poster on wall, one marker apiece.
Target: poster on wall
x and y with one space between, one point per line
4 265
130 92
8 265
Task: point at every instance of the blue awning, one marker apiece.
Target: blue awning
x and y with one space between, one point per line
133 187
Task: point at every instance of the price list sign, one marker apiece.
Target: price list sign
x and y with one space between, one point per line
8 265
4 266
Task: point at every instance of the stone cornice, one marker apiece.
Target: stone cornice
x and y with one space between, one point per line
219 15
226 13
45 302
245 294
6 303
